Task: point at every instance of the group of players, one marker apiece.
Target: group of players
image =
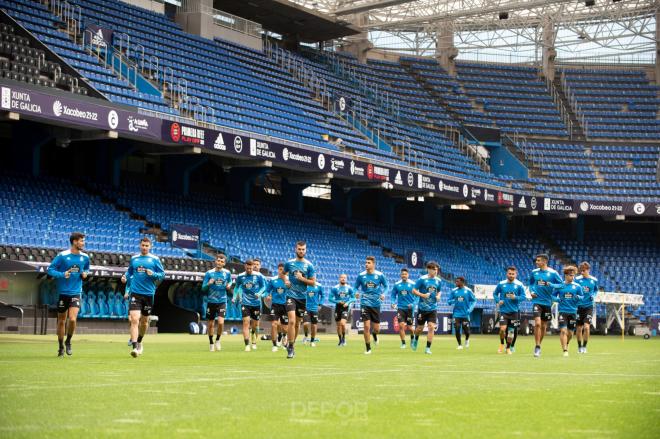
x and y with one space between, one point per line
294 295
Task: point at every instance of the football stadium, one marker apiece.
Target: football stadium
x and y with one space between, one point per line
329 218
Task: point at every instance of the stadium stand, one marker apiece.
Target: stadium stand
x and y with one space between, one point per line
598 172
21 62
47 27
249 90
509 94
614 103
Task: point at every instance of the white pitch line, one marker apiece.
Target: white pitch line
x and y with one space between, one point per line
278 378
568 374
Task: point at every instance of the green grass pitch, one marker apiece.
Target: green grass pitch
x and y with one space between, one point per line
180 389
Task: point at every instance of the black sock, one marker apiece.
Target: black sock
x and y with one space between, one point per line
247 341
306 334
290 345
428 344
368 346
68 339
340 337
210 339
538 346
343 338
515 336
274 343
458 337
579 344
135 345
61 342
416 337
467 334
375 336
140 338
279 336
412 337
508 344
403 342
584 344
501 339
217 336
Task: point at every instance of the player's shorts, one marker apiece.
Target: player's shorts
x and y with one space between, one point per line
215 310
253 312
424 317
278 312
405 315
297 305
461 321
141 302
567 321
65 302
584 315
311 317
341 312
543 311
369 313
512 319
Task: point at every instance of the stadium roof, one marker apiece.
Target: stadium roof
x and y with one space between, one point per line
410 25
287 18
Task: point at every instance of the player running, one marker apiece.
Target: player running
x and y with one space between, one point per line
427 288
256 269
463 300
403 301
248 287
372 283
541 290
585 309
276 289
342 295
301 274
69 268
144 272
508 295
216 283
569 295
314 300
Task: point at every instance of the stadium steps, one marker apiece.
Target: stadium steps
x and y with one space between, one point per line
577 129
407 65
556 251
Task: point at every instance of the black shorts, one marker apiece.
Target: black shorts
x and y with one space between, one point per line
297 305
543 311
141 302
461 321
405 315
311 317
510 320
215 310
584 315
427 317
341 312
65 302
253 312
278 312
369 313
567 321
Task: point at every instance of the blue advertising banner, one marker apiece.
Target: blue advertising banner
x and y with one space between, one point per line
414 259
184 236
